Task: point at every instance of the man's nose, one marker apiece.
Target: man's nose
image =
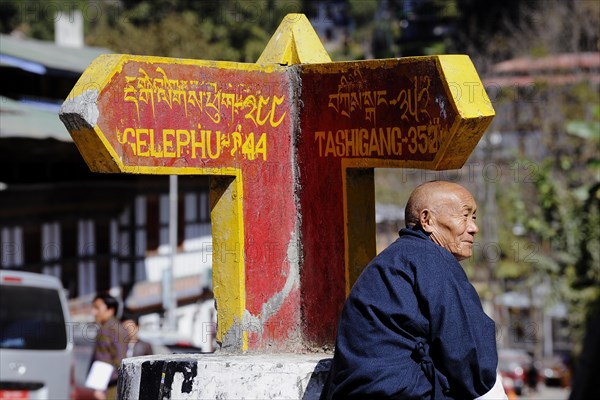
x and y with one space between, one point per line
472 228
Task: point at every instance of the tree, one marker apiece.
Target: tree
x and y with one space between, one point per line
206 29
35 18
545 208
557 190
220 30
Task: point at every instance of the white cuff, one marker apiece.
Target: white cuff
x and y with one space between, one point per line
495 393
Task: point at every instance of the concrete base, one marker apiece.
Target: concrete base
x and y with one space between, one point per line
223 376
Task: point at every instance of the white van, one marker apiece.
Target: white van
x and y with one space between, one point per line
35 346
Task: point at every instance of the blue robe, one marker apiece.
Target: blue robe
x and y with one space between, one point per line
413 328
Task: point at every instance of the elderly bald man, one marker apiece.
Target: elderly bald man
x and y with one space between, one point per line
413 326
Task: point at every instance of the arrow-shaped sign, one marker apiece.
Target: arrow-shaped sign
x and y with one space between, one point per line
296 137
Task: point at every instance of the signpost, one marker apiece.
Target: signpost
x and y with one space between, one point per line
290 144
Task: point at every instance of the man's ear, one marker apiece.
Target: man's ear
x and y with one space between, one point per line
426 220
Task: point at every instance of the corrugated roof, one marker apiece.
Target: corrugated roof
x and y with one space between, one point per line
40 121
555 62
18 119
558 69
36 55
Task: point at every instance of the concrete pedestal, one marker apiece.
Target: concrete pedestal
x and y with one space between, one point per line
224 376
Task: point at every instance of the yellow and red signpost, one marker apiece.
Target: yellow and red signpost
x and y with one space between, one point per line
290 144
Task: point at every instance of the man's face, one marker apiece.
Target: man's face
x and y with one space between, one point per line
101 312
453 222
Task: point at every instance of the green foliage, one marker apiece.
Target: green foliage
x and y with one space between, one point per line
36 18
208 29
567 219
382 44
225 30
558 202
362 11
9 15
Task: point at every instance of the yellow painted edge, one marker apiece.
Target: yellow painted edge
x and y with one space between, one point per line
159 170
116 158
468 98
414 164
385 163
462 129
236 289
242 264
348 163
93 150
95 78
307 45
469 95
294 42
97 74
104 67
343 66
231 65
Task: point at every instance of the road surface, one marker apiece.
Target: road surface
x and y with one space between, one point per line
547 393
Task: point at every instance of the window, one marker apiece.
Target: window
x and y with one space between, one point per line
31 318
196 220
86 248
12 247
51 249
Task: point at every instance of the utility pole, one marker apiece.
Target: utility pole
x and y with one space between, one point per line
489 177
169 294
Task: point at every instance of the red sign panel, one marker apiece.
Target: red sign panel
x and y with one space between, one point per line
397 111
185 115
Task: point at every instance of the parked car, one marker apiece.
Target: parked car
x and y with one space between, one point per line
35 350
512 366
555 372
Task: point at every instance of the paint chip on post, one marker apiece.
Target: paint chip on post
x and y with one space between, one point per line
80 112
